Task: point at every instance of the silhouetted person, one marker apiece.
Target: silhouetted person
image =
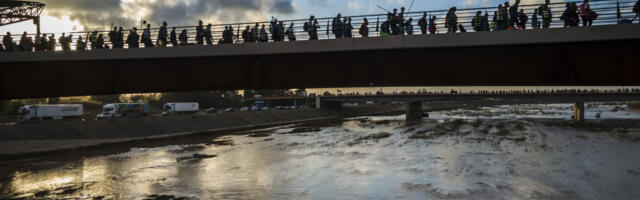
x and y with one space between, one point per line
41 42
65 42
93 38
281 31
476 22
307 26
313 34
173 37
452 20
80 44
146 37
408 26
7 40
26 43
291 33
433 26
163 34
52 42
100 42
513 14
184 38
423 23
200 33
246 35
522 20
385 28
545 12
208 35
337 26
587 14
133 40
364 28
120 40
112 35
485 22
264 37
348 28
570 16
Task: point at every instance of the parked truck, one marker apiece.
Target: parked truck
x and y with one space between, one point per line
54 112
180 108
117 110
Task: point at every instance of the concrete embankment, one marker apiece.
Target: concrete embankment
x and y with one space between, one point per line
57 136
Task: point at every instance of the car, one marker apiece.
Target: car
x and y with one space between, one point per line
211 110
244 109
228 110
293 107
254 108
265 108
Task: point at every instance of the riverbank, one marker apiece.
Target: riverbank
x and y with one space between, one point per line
51 137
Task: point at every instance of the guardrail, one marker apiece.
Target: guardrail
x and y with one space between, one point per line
606 9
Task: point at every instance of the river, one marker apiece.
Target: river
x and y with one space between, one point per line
502 152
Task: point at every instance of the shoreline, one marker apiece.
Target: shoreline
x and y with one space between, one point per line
38 145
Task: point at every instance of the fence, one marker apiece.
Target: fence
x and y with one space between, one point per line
607 10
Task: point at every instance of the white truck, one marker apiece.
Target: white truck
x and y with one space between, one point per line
117 110
179 108
54 112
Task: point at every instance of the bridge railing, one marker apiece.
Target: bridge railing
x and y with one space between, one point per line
606 9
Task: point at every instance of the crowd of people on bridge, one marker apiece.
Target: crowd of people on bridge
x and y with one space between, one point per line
506 17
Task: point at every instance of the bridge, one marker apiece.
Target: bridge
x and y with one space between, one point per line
579 56
414 109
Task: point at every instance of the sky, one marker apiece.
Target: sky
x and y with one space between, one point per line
85 15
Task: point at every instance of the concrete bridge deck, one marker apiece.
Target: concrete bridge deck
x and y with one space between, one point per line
591 56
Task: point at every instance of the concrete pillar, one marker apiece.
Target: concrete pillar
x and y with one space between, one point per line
578 111
318 102
414 111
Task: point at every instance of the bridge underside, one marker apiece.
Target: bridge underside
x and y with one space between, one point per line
603 63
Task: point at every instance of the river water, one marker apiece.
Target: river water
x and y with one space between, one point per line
503 152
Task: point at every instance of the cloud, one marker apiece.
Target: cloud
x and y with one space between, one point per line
354 5
99 14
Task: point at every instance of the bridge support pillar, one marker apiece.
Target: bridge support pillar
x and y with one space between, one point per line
414 111
332 105
578 111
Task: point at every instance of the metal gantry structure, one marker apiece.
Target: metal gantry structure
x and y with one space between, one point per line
12 12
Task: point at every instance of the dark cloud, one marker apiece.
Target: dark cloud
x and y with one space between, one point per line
98 14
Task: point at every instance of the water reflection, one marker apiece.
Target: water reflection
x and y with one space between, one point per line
437 159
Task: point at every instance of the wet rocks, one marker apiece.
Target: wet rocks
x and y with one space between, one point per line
166 197
376 137
223 142
304 130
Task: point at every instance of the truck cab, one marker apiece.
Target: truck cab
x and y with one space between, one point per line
26 113
108 111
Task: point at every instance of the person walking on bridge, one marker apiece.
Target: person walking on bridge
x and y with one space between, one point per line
146 37
545 12
313 35
200 33
100 42
385 29
433 27
476 23
452 20
184 38
514 14
173 37
522 20
364 28
52 42
408 26
246 38
337 26
291 33
80 44
65 42
133 39
348 28
423 23
208 35
120 39
7 40
93 38
162 35
587 14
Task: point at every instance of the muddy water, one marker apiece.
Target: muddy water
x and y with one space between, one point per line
504 152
